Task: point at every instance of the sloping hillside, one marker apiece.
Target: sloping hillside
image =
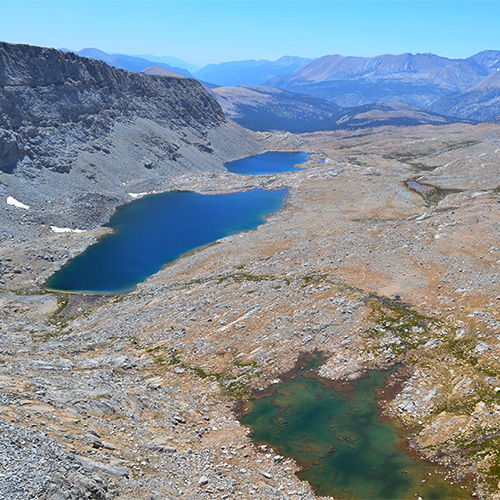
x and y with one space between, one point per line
266 108
479 102
488 58
156 70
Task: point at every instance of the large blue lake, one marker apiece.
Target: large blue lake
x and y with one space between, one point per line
157 229
268 163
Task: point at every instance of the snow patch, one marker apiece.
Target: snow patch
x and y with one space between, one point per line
66 230
137 195
479 193
15 203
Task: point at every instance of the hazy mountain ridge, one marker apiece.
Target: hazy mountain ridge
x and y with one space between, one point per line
249 72
172 61
418 79
488 58
129 63
425 80
480 102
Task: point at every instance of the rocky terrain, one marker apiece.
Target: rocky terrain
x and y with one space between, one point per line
134 394
156 70
385 254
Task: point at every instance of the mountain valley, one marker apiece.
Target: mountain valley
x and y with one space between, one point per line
385 255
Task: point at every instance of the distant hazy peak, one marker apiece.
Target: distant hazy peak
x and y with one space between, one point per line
156 70
129 63
489 58
250 71
92 53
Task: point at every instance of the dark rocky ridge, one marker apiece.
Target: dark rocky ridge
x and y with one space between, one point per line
48 89
74 131
265 108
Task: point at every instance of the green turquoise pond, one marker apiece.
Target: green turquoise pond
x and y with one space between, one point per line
342 446
268 163
155 230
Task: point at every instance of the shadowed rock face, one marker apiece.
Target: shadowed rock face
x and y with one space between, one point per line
53 102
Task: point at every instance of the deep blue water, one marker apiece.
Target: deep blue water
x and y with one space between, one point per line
157 229
267 163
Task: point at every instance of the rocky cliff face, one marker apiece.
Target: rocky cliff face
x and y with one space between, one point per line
72 127
49 97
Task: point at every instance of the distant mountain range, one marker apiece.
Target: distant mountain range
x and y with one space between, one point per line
251 72
265 108
418 79
130 63
175 62
463 88
479 102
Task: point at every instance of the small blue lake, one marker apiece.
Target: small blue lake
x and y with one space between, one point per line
268 163
157 229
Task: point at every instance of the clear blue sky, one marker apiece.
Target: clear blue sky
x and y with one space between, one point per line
213 31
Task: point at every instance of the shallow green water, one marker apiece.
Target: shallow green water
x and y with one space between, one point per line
336 437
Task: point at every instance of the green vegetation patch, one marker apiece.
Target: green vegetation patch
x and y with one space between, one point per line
242 277
398 326
234 381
